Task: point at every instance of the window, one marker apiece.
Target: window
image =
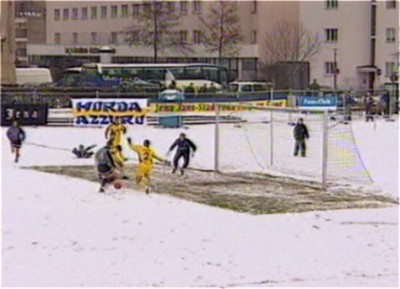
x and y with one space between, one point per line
114 11
74 13
57 14
170 6
247 88
84 13
196 36
331 4
93 12
114 38
254 37
391 4
135 9
184 6
254 9
103 12
146 7
57 38
196 6
135 37
249 64
75 38
124 11
330 68
94 37
158 6
331 35
390 67
390 35
65 14
183 36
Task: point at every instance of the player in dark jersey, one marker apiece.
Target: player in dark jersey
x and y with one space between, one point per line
106 167
16 135
184 147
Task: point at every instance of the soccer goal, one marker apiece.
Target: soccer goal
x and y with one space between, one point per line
261 140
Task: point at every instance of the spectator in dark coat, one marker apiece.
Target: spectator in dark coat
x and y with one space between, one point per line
184 146
369 105
300 134
385 100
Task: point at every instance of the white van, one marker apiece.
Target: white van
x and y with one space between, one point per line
33 76
247 86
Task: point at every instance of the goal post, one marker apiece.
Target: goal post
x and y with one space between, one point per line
260 139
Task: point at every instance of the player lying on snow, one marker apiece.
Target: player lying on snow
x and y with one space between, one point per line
108 171
83 152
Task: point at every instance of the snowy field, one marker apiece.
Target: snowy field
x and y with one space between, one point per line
58 231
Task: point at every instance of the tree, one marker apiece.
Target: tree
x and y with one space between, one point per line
288 41
221 31
154 26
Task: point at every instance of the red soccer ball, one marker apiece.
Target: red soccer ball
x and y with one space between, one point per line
117 185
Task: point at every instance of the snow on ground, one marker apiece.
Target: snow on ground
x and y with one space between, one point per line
58 231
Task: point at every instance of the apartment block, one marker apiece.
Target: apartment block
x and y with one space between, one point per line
359 39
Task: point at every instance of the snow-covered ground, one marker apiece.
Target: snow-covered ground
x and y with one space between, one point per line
58 231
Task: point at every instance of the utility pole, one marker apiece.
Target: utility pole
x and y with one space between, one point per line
335 70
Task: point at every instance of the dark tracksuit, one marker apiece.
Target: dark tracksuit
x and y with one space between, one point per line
104 163
16 135
183 150
300 133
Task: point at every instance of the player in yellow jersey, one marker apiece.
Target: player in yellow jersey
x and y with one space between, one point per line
146 161
116 156
115 131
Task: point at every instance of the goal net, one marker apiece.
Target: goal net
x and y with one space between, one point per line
260 140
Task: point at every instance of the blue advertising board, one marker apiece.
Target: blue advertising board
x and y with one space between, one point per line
318 102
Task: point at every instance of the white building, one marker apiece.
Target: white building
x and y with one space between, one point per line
362 34
76 30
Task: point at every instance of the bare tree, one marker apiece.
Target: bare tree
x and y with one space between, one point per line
155 26
222 31
288 41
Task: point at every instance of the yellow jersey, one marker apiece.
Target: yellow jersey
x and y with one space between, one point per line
146 155
116 131
115 154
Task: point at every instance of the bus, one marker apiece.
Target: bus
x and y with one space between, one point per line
185 74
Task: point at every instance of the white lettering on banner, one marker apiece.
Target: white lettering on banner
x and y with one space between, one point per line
95 112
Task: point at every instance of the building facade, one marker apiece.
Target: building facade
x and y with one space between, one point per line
30 27
7 36
359 39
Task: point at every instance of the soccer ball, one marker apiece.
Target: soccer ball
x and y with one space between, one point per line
117 185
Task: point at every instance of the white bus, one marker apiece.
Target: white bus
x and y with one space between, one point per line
185 74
